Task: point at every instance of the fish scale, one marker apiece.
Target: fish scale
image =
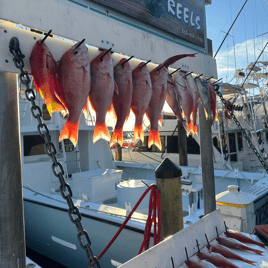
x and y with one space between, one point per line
43 70
102 91
74 78
122 99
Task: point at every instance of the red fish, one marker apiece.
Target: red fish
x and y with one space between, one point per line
233 243
142 93
195 98
43 69
74 79
242 238
172 99
224 251
122 99
216 259
199 264
159 77
185 97
102 91
212 100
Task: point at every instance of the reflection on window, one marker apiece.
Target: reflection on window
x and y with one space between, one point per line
33 145
239 141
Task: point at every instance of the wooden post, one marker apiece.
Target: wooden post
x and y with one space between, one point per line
207 165
12 233
168 180
118 152
182 145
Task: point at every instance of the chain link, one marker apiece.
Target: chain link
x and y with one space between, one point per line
246 137
50 149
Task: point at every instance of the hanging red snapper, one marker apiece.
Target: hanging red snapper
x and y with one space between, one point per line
195 97
74 78
159 77
142 93
122 98
172 99
204 94
43 69
102 91
212 100
185 97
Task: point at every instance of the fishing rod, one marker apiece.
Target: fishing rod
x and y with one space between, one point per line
229 30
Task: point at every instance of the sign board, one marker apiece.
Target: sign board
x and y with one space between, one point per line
180 17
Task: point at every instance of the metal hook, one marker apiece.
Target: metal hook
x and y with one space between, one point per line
197 246
175 71
186 254
145 183
157 70
217 232
209 78
171 83
226 229
207 239
46 36
100 58
217 81
144 64
198 76
78 45
127 60
188 74
172 262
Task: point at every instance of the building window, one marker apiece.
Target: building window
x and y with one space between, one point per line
33 145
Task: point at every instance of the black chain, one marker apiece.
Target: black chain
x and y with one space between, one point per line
246 137
50 149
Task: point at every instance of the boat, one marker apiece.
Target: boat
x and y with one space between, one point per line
104 190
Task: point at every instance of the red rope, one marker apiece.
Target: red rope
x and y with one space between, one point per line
154 205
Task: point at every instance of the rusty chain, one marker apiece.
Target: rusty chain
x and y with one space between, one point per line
50 149
246 137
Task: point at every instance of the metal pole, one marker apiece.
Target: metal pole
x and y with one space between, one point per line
207 162
182 145
118 152
168 180
12 233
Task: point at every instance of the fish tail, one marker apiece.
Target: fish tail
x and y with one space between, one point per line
117 137
260 244
154 139
101 132
138 132
70 131
195 129
54 106
189 126
185 127
250 262
259 252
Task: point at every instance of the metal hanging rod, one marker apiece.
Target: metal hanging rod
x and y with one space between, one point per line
198 76
175 71
217 81
46 36
188 74
100 58
127 60
144 64
78 45
209 78
157 70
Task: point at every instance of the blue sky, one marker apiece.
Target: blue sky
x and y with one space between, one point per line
244 45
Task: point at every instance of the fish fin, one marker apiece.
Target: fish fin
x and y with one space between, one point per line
160 121
190 127
195 129
147 115
86 110
70 131
39 90
117 137
185 127
154 139
101 132
54 106
127 116
138 132
182 113
116 89
111 110
215 116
